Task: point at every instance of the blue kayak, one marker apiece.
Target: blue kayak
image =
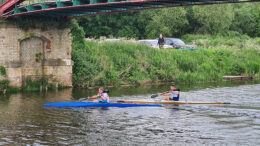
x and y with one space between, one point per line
94 104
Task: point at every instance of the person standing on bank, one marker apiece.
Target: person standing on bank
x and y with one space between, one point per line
161 41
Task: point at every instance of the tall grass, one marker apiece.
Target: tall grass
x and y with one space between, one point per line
37 84
229 40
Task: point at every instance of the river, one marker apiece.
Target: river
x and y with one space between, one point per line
24 120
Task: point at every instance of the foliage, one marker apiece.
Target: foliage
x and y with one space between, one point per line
37 84
256 13
38 57
227 40
3 71
175 22
170 22
105 63
84 67
4 85
244 20
213 19
130 25
121 62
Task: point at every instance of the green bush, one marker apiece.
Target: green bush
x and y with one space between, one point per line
237 68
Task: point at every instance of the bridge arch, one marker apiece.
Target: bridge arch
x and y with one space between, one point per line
32 56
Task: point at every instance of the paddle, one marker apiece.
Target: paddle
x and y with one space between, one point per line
158 94
82 99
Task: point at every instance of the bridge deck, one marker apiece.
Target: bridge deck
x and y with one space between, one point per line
79 8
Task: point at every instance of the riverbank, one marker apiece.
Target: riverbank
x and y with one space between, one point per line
117 63
130 64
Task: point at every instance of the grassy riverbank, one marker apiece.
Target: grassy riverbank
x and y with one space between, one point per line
229 40
128 63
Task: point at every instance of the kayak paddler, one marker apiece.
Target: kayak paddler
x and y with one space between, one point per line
101 93
173 94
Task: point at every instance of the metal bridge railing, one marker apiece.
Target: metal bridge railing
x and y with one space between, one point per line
2 1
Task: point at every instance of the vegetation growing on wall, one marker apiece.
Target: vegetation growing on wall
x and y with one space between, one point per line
4 83
2 71
37 84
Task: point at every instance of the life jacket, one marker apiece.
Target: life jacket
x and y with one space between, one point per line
174 96
104 95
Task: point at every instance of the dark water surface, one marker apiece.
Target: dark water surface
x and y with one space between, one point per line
24 120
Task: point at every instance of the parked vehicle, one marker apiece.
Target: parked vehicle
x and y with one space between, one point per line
150 43
177 43
153 43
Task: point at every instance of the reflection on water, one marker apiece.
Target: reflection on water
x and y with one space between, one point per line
24 120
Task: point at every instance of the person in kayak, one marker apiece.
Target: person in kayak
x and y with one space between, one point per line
101 93
173 94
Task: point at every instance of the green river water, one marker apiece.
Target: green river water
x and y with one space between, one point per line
24 120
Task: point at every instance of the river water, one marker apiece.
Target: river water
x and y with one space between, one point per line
24 120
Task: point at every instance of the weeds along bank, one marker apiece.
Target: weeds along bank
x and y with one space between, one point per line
128 63
228 40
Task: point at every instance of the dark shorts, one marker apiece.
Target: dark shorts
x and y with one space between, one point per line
174 98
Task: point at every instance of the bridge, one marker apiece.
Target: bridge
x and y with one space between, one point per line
80 8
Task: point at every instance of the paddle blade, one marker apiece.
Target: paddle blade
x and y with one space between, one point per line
155 95
82 99
226 103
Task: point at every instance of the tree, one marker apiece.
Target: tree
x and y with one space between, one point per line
213 19
256 13
244 19
117 25
171 22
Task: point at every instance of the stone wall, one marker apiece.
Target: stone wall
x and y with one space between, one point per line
36 53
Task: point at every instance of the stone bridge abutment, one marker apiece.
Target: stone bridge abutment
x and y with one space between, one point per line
35 53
